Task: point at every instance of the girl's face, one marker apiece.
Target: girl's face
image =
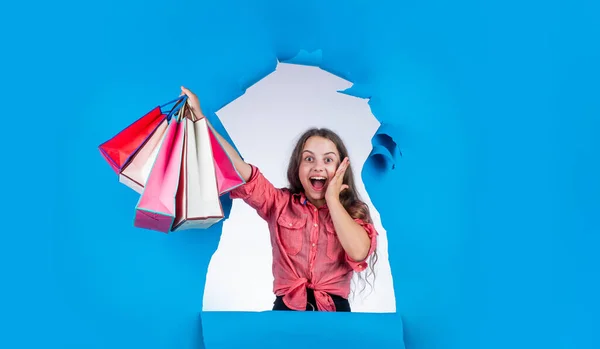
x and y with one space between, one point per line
319 161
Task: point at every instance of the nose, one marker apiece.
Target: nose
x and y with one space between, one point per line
318 167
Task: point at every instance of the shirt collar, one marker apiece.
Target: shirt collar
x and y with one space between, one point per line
302 200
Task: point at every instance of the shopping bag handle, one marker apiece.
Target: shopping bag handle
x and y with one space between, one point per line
173 101
181 113
174 109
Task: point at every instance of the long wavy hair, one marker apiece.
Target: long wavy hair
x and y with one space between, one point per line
349 197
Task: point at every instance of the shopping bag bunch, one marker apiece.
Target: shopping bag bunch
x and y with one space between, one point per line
178 166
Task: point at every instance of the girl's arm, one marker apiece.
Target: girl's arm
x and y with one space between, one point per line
243 168
257 192
354 238
358 239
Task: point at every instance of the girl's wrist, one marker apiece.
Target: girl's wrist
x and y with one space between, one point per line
331 200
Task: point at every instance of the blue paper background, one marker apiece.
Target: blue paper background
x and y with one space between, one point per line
492 211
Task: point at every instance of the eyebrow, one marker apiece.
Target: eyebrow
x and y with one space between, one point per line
308 151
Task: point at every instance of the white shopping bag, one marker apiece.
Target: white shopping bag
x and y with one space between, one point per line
198 202
136 172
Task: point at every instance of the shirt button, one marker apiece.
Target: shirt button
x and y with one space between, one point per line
316 225
313 245
315 209
290 224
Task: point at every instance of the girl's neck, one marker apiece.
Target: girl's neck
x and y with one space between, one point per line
317 203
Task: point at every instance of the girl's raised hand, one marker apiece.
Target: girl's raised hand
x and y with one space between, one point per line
336 186
193 102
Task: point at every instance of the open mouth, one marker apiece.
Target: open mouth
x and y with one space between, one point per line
318 182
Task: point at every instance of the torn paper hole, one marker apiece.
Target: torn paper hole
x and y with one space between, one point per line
264 123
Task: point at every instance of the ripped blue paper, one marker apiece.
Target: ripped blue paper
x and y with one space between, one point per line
386 152
253 77
527 113
358 90
339 73
285 329
304 57
315 59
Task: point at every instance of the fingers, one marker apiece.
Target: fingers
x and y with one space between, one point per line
187 92
192 99
343 167
337 182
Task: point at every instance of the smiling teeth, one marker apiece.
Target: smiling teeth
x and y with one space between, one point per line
322 178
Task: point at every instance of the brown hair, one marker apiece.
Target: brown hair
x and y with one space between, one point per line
349 198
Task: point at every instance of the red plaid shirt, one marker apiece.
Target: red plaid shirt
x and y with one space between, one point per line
306 249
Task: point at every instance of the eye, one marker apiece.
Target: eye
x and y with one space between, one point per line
308 158
328 160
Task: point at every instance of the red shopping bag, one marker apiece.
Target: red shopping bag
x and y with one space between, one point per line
119 149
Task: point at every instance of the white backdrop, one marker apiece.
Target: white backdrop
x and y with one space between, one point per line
264 124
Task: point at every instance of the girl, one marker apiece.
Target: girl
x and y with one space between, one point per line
321 233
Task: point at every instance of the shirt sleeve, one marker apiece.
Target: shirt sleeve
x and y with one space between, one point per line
359 266
259 194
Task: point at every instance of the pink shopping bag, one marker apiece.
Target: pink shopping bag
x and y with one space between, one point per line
156 208
228 178
198 202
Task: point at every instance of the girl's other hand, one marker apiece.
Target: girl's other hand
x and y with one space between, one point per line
336 185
